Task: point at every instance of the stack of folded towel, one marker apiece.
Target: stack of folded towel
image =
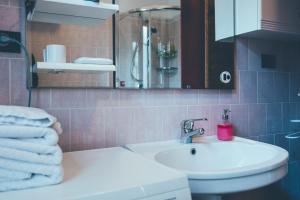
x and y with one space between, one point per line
29 152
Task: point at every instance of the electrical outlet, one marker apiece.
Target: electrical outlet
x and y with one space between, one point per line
11 47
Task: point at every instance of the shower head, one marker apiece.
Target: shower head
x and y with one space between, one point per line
144 13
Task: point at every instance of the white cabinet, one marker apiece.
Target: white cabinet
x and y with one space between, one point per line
259 18
281 12
224 19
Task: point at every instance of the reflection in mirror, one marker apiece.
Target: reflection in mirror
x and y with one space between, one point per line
171 44
159 44
148 44
73 53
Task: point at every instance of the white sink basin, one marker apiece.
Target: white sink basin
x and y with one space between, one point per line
215 167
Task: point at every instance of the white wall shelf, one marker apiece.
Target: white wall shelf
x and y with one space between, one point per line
77 12
62 67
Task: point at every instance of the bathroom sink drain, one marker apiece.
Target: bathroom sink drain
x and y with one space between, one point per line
193 151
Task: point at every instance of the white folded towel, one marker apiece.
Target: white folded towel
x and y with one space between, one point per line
29 154
9 180
33 168
8 175
40 175
25 156
25 116
25 145
35 181
94 61
39 135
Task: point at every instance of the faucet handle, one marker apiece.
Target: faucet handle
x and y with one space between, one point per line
188 125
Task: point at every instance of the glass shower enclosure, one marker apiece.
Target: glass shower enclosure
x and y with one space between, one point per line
148 48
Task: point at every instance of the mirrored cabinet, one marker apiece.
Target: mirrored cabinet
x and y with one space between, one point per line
128 44
172 44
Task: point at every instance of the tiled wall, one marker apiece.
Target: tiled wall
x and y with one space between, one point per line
262 104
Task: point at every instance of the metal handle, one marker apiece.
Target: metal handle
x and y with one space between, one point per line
188 125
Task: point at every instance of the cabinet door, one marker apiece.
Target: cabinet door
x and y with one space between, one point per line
284 12
246 16
224 16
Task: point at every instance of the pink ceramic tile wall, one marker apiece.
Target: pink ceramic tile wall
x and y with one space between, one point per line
95 118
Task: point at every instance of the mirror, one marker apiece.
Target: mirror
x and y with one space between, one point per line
171 44
157 44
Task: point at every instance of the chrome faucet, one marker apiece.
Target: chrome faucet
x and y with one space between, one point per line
187 130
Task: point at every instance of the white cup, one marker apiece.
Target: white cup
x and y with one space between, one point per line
55 53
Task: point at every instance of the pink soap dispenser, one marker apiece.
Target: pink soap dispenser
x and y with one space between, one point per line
225 130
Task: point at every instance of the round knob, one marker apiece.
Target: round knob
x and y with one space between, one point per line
225 77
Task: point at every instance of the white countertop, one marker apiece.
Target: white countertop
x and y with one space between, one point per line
107 174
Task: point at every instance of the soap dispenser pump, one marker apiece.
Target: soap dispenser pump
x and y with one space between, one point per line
225 130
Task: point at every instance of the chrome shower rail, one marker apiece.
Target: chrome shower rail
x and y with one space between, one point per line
153 8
